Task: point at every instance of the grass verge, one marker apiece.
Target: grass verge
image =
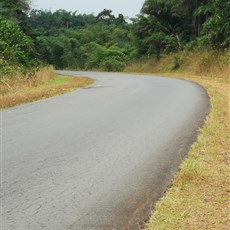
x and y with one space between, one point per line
199 195
44 84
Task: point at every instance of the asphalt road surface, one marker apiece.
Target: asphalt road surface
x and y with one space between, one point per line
99 157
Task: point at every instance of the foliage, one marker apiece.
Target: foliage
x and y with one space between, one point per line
15 10
15 49
110 59
69 40
85 42
216 29
46 20
106 15
166 26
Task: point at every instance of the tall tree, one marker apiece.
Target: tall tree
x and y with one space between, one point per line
15 10
216 28
16 53
106 16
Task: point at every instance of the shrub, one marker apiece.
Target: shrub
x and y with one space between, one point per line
177 61
112 64
15 49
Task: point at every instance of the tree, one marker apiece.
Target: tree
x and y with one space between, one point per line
167 14
216 28
120 20
60 19
15 10
112 58
106 16
15 47
166 25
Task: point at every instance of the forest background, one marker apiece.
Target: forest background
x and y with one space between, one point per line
30 39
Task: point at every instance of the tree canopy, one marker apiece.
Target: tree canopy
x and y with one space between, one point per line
71 40
170 25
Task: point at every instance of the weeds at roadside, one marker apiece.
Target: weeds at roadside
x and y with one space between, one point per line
199 196
200 191
45 83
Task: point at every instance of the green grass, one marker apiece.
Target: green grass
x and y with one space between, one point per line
58 80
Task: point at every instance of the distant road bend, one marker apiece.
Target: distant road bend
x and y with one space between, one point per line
97 158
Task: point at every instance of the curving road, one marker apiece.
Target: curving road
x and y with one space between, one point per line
99 157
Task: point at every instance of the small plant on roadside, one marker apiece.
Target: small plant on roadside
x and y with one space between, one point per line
177 61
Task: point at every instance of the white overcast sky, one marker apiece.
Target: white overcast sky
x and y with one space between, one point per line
128 8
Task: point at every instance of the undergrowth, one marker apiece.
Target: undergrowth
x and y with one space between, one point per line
203 63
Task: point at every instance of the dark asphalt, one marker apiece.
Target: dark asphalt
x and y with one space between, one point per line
99 157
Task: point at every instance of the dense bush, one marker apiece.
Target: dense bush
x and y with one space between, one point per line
166 26
105 45
15 49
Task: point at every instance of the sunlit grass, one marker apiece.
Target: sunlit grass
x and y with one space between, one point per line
58 80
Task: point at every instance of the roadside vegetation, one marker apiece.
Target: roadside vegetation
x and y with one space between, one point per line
68 40
176 38
199 195
44 83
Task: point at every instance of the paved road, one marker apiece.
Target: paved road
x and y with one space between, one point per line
96 158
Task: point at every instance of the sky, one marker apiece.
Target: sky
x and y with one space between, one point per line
128 8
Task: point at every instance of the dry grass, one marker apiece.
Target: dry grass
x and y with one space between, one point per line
45 83
199 196
203 63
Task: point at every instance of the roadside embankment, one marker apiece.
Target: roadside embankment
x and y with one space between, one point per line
45 83
199 195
